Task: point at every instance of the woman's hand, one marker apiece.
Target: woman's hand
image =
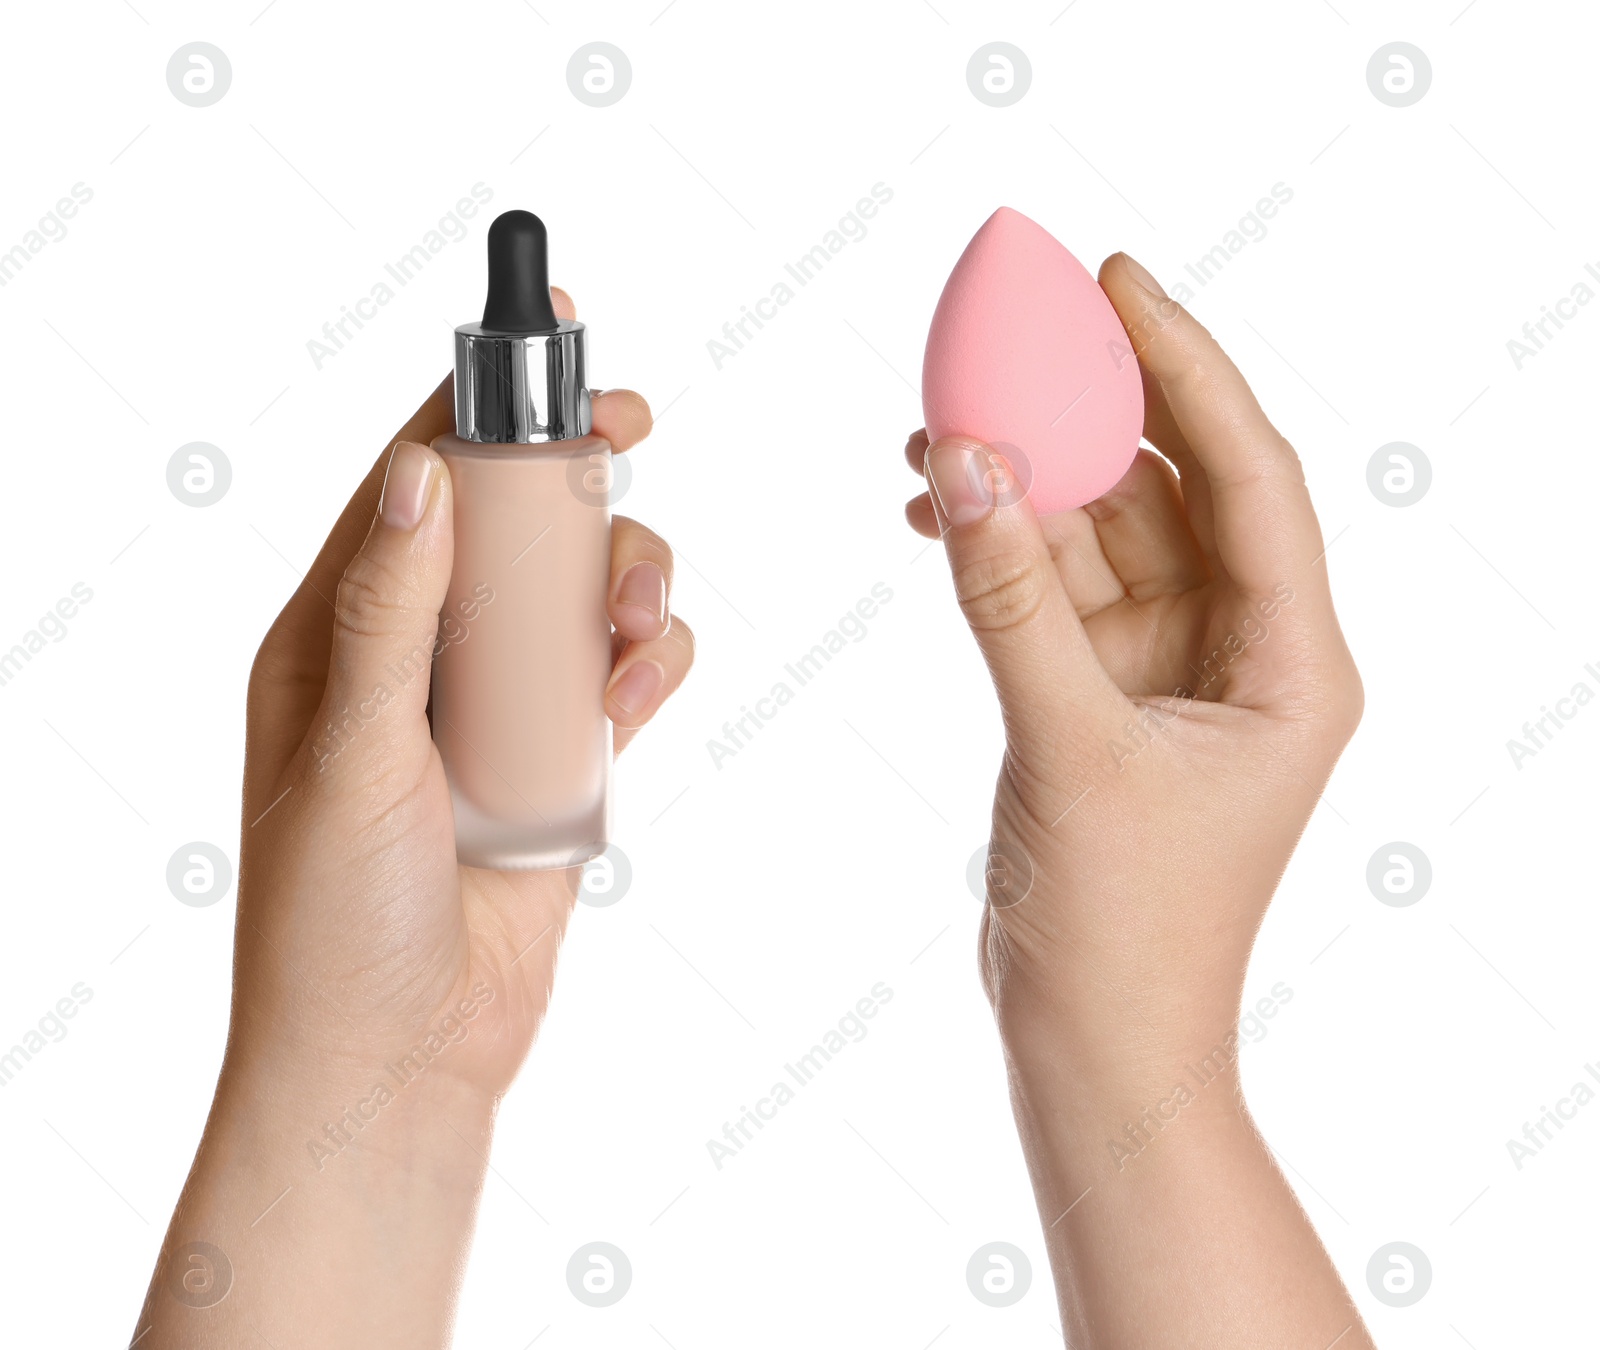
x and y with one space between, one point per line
349 881
384 996
1175 692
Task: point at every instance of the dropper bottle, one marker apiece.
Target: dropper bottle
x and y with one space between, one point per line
524 648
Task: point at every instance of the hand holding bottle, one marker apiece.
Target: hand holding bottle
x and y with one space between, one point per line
384 996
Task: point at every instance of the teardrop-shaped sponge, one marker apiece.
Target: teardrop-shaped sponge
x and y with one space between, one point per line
1026 354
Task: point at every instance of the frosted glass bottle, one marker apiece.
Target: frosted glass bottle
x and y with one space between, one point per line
524 652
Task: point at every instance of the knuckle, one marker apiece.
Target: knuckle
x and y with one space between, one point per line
1271 463
1348 702
1000 592
1291 466
267 664
370 600
276 666
636 543
684 636
1329 707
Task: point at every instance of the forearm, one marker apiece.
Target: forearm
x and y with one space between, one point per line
1167 1222
342 1211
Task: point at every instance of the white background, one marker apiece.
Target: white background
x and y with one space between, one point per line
831 853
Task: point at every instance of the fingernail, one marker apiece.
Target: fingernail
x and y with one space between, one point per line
962 482
636 686
1137 271
406 485
645 585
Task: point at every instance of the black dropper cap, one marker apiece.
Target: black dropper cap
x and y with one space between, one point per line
520 373
519 276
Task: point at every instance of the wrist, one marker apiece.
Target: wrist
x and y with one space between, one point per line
305 1116
1096 1061
1086 1123
311 1056
1106 1040
1114 1019
294 1174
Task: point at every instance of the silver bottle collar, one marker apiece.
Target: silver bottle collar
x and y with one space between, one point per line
521 388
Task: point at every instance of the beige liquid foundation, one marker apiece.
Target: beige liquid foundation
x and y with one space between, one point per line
524 650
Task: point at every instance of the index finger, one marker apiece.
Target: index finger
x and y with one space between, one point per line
1266 530
620 415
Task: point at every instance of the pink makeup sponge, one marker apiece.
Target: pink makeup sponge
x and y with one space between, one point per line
1026 354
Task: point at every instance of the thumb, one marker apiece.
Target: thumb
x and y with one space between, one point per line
1053 690
386 617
